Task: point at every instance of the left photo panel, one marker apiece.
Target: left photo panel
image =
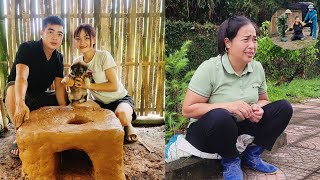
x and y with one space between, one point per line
82 91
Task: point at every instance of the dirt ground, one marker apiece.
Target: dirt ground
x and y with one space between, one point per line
293 45
143 159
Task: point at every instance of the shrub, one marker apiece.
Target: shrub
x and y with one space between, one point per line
177 80
283 64
203 37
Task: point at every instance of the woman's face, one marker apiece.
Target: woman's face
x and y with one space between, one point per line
244 46
84 42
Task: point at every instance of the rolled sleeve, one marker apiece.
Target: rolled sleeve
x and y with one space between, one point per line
200 82
263 85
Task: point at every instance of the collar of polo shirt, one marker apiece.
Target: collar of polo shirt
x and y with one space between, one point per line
227 66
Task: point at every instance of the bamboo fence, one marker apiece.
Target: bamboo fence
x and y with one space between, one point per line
132 30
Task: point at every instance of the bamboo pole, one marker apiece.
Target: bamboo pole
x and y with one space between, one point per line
145 85
11 37
32 19
139 56
17 21
118 39
63 16
97 12
123 47
130 45
83 11
3 65
151 55
161 75
157 68
69 36
27 22
105 39
113 14
47 7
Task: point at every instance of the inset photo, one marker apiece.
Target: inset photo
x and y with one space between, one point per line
295 26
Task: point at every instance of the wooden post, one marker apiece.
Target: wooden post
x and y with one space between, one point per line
3 65
131 34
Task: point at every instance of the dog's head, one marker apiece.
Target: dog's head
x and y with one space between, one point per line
78 69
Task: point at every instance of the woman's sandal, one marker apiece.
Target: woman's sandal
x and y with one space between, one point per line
13 146
130 134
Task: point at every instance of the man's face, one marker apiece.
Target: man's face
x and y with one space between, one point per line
297 20
52 36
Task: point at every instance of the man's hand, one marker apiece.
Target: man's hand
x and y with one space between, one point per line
21 114
257 113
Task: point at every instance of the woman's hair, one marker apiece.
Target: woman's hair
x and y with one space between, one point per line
88 29
229 29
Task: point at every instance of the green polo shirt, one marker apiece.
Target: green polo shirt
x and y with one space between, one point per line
216 80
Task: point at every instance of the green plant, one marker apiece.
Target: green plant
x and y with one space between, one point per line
284 65
176 85
265 28
216 11
203 37
295 92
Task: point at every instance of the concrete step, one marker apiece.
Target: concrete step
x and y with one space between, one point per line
197 168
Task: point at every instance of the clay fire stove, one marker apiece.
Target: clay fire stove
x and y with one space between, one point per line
52 134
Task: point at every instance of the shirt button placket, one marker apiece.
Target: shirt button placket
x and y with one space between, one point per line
241 86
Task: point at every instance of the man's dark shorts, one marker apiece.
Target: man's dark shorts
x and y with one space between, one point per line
36 101
113 105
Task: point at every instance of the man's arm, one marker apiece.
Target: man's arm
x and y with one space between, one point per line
21 84
61 93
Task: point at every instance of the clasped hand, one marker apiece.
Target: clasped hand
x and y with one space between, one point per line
244 111
77 82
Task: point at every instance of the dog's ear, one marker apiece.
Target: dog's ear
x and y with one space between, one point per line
73 66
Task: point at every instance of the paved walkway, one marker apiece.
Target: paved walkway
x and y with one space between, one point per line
300 159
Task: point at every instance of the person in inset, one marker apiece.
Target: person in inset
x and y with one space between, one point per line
105 88
311 18
297 28
37 65
282 24
227 97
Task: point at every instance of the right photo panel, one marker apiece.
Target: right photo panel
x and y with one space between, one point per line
242 90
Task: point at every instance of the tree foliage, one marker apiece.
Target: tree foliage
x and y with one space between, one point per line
282 64
177 80
216 11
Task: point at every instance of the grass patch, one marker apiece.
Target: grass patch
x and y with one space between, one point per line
295 92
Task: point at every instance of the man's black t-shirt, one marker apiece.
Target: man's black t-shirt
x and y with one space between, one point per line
41 71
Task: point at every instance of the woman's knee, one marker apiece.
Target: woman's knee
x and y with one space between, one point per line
283 111
121 115
219 118
286 107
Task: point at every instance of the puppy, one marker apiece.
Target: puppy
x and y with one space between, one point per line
78 70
